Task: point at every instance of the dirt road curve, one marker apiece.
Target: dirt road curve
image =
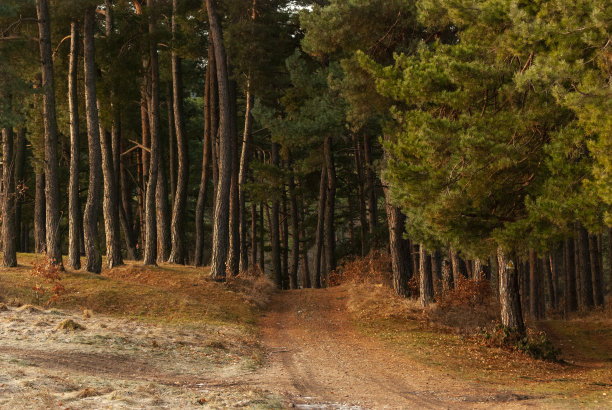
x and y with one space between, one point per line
318 360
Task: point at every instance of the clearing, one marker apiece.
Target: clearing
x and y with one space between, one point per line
167 337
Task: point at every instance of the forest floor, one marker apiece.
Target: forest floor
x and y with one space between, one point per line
167 337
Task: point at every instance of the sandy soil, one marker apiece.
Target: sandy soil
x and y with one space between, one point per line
316 359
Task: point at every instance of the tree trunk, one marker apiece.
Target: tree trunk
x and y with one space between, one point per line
233 256
586 284
164 242
242 176
459 267
125 209
596 272
509 297
40 241
20 155
330 232
9 234
285 238
295 235
221 215
534 286
90 226
180 197
370 192
150 256
52 196
401 256
570 296
206 154
436 265
306 278
275 230
320 226
262 253
362 202
171 144
426 278
447 273
253 235
555 267
110 202
74 219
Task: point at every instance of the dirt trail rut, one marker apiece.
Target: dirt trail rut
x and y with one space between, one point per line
316 359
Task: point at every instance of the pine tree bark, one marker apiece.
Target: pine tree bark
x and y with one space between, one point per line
548 265
330 231
320 226
534 288
596 272
74 217
447 273
509 297
569 262
150 257
253 235
401 256
242 176
362 202
125 210
52 196
40 235
110 202
171 144
233 256
221 214
180 197
426 278
586 284
20 155
295 235
9 234
206 154
262 253
277 270
370 191
93 261
285 238
164 242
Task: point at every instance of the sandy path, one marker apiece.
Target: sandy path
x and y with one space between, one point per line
318 360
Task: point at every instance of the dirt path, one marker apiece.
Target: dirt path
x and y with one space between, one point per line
317 359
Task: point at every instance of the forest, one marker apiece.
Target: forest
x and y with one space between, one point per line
460 146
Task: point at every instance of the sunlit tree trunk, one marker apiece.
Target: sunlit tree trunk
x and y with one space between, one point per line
509 297
425 278
9 234
74 213
40 240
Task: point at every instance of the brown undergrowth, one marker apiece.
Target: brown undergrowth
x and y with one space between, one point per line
461 335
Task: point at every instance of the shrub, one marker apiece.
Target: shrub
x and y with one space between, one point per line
49 286
535 344
374 268
253 285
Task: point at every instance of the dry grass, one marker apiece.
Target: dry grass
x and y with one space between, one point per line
255 287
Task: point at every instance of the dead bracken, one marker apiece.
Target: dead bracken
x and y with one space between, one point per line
69 325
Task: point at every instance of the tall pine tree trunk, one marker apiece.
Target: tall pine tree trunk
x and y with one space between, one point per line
362 202
320 226
596 271
242 176
206 154
509 297
253 234
40 235
534 286
162 214
277 270
569 262
150 257
584 258
52 195
295 235
330 231
180 197
370 191
221 214
9 234
426 278
20 155
74 217
90 224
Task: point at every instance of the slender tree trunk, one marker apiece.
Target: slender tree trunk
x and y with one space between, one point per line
285 237
9 233
222 200
171 144
509 297
320 226
370 192
436 265
306 282
426 278
295 235
180 198
549 281
447 273
164 242
40 241
52 196
459 267
534 288
20 155
253 235
125 209
242 176
556 259
206 154
74 220
586 284
596 272
110 202
275 230
401 256
150 257
330 231
92 251
362 203
571 299
262 253
233 256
